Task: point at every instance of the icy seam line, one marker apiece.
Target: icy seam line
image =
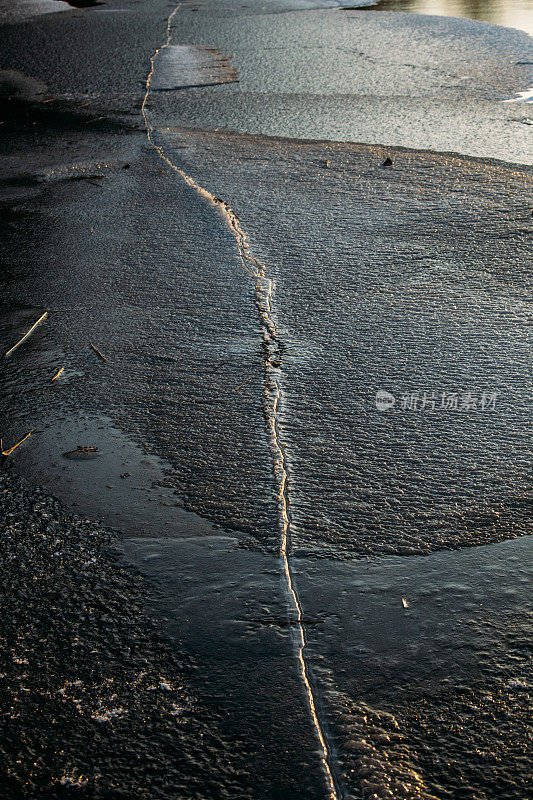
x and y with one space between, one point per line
273 395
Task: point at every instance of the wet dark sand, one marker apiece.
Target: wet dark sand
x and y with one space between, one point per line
158 286
94 702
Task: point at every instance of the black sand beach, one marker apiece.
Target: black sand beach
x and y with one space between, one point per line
242 577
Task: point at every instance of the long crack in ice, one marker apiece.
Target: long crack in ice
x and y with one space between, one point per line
273 349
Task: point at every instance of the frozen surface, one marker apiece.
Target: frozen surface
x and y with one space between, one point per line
184 66
363 76
410 279
418 699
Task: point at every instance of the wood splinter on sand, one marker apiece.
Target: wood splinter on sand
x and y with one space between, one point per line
41 318
97 351
10 449
58 373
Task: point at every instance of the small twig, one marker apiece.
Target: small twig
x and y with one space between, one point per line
236 388
10 450
97 351
27 334
57 374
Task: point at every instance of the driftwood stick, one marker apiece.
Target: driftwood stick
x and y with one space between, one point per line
58 373
236 388
97 351
10 450
27 334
